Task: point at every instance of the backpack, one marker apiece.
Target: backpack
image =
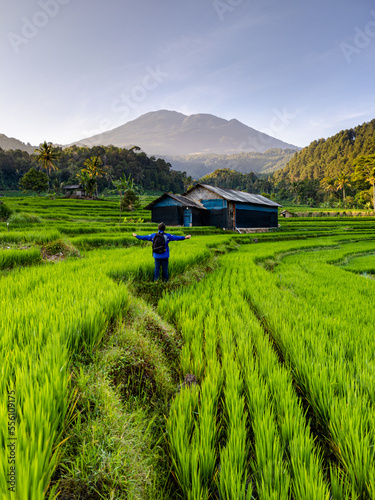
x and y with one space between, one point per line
159 243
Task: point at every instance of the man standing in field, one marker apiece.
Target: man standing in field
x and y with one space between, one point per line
160 248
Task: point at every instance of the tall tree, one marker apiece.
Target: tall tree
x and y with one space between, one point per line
86 182
365 171
129 193
47 155
328 184
94 170
34 181
342 181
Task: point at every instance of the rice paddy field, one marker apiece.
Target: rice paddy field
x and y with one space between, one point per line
250 375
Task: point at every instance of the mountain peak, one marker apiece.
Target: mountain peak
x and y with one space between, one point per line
167 132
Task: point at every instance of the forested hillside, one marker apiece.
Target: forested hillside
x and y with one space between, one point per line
147 171
231 179
198 165
329 157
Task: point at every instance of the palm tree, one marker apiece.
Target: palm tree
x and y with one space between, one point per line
365 170
47 155
86 182
122 185
94 170
328 185
342 181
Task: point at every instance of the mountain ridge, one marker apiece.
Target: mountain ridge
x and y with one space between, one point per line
169 133
7 143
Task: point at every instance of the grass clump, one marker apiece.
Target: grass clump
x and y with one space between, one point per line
137 359
111 446
59 248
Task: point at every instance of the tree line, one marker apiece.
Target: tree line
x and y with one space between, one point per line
68 164
232 179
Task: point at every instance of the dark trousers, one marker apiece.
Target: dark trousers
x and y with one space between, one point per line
163 263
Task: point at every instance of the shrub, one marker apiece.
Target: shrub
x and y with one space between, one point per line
5 212
59 247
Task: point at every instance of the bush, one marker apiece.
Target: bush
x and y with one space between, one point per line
23 219
59 247
5 212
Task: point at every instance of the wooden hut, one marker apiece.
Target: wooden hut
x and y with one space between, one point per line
232 209
177 210
74 190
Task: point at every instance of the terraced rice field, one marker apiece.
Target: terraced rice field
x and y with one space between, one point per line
278 341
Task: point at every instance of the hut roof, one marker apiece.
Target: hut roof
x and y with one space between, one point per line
74 186
238 196
181 199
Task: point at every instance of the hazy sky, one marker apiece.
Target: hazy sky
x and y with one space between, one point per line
298 70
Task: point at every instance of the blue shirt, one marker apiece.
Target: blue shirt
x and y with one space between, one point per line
170 237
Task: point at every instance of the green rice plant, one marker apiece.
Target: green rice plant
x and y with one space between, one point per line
206 430
326 378
23 219
232 477
250 433
13 258
338 489
180 427
68 307
305 463
287 460
361 264
96 241
29 236
233 457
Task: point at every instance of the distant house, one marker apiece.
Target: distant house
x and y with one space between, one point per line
205 205
74 190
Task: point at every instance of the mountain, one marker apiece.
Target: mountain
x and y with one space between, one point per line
171 133
328 157
7 143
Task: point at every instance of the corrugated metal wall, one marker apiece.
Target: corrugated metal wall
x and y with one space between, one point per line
170 215
174 216
218 218
255 218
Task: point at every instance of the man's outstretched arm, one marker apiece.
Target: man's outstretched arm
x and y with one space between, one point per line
148 237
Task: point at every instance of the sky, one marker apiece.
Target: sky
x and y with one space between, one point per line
295 69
